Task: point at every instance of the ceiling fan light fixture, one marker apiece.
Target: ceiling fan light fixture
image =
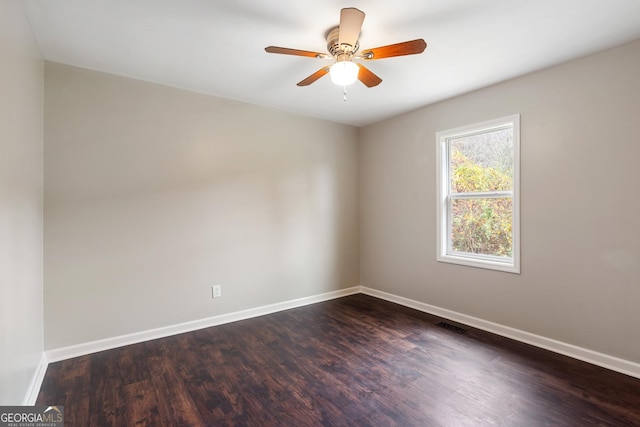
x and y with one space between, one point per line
343 45
344 73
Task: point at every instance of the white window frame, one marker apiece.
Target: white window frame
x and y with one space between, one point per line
444 252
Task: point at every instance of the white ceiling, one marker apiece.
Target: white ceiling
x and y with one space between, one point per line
217 47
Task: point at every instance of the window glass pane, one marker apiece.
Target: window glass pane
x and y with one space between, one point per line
482 162
482 226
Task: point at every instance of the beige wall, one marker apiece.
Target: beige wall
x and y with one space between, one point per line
153 194
21 306
580 280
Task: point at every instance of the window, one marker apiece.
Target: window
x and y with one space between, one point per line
478 200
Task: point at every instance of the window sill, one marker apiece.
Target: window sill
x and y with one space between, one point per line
509 266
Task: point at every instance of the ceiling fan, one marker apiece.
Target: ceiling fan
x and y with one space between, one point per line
342 44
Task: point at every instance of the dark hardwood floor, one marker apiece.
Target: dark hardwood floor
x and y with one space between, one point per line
353 361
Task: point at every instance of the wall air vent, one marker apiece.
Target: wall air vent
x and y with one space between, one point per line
451 327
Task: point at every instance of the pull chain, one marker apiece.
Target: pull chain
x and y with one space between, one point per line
344 93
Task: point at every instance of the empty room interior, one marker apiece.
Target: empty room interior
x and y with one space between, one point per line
285 213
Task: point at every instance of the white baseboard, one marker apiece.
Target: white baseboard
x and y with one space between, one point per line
600 359
36 382
595 358
63 353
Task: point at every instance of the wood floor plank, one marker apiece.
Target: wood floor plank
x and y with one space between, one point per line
72 382
356 360
142 409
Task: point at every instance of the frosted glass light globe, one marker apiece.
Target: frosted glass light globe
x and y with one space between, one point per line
344 73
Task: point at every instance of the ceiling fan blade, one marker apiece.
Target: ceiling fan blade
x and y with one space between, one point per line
287 51
351 20
367 77
399 49
315 76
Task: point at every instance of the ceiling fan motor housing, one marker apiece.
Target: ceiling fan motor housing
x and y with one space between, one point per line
334 47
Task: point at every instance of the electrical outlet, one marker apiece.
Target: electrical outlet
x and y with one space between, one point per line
216 291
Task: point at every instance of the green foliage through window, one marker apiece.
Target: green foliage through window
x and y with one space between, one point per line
481 225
